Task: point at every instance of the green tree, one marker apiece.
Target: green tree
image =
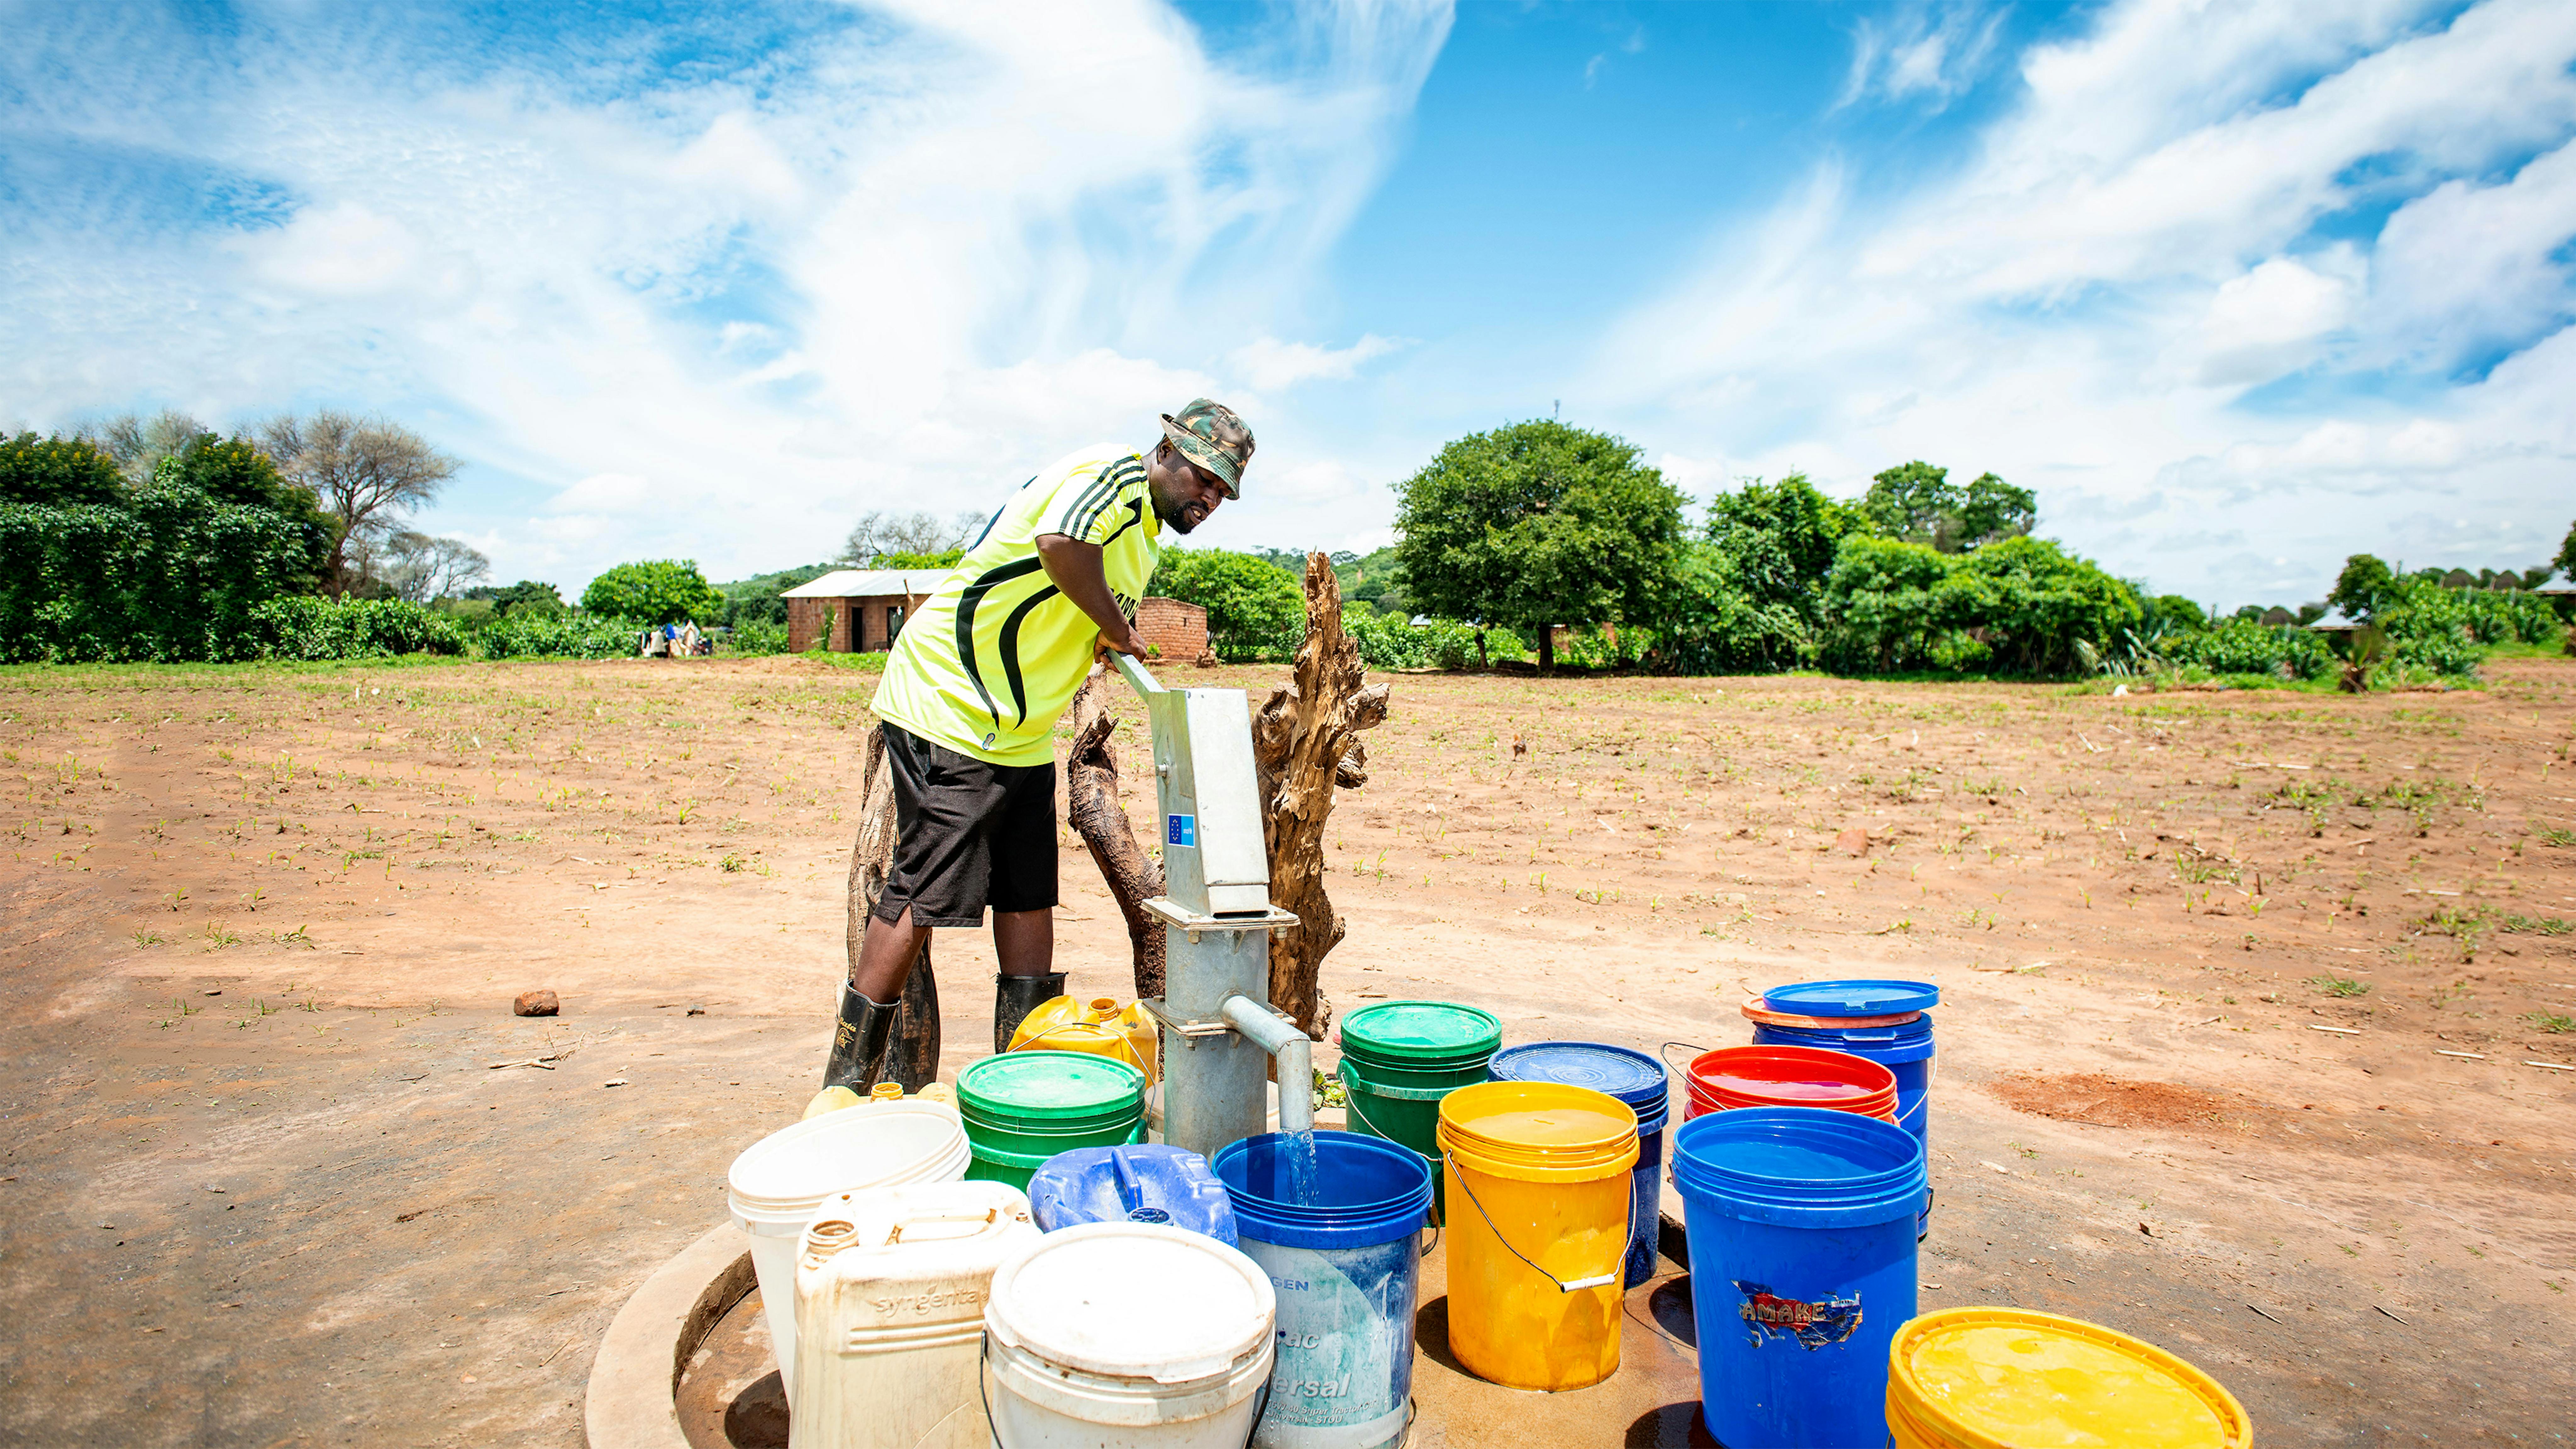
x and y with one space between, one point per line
1910 501
2173 613
2363 587
235 470
1252 604
528 594
1536 524
2566 561
1994 510
1715 624
1780 539
52 472
1918 503
656 591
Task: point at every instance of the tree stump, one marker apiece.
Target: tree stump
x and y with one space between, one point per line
1091 799
1305 743
912 1053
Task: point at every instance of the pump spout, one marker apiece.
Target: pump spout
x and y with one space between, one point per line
1289 1047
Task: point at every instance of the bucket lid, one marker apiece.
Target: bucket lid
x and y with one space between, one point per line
1050 1086
1853 998
856 1147
1403 1033
1631 1076
1985 1378
1135 1300
1755 1011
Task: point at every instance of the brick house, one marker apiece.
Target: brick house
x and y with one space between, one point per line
1177 630
857 611
862 610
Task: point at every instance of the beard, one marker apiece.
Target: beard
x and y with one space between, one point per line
1177 519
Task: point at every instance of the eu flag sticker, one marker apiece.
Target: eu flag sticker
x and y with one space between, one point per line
1181 830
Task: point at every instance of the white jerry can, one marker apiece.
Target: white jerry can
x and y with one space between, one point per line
890 1290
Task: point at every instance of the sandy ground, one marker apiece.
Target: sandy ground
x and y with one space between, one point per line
262 1183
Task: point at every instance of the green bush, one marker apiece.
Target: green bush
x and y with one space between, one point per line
757 636
2030 603
1716 624
2242 647
528 634
1619 647
2415 608
169 574
311 628
1882 605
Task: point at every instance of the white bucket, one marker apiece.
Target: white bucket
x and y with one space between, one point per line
778 1183
1133 1334
890 1291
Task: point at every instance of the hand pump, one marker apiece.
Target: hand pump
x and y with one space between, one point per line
1219 1028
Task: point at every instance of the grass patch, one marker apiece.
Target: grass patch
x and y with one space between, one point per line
2343 986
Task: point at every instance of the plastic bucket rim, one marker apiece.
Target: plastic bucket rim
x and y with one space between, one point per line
2235 1423
1459 1111
1267 1220
1822 1058
1823 1129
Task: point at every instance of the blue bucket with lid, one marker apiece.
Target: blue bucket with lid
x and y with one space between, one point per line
1637 1080
1887 1022
1801 1225
1347 1277
1143 1182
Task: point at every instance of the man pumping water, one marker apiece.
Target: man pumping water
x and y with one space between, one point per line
970 700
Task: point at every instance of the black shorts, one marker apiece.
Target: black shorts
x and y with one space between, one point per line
967 835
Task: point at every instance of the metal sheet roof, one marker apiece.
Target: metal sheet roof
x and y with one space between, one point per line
862 583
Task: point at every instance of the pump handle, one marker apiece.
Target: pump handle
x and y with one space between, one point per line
1134 669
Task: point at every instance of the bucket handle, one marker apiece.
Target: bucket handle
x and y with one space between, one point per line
1599 1280
984 1366
1664 1053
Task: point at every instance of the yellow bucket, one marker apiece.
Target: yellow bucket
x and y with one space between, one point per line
1537 1235
2002 1378
1099 1026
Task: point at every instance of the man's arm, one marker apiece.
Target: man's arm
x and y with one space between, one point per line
1077 572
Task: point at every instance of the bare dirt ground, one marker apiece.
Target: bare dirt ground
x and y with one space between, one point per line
310 1208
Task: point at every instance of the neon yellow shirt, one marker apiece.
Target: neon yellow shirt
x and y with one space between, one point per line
997 653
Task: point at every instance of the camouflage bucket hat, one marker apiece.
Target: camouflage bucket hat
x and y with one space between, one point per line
1211 436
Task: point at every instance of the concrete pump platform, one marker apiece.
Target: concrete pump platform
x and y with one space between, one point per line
687 1365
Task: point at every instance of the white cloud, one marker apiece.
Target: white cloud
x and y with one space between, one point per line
1267 364
2121 300
898 261
1923 50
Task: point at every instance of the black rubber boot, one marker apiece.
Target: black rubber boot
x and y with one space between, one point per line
858 1042
1014 997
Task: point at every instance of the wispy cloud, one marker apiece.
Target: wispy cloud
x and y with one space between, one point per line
704 291
1924 50
2147 294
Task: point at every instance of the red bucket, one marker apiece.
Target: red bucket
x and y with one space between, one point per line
1789 1076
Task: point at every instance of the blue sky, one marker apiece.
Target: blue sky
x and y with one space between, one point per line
2238 288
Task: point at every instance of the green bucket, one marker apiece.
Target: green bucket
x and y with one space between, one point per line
1399 1058
1022 1108
998 1164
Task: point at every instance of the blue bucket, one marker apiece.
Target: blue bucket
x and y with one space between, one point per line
1637 1080
1347 1275
1801 1229
1139 1183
